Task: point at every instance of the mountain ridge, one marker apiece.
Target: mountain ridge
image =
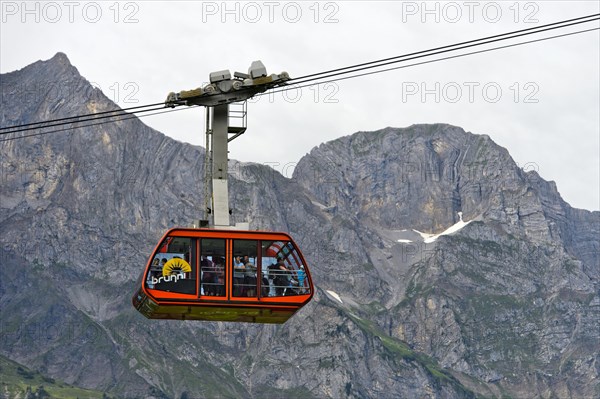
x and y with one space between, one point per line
413 318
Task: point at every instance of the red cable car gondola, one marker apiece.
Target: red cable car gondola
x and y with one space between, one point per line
224 275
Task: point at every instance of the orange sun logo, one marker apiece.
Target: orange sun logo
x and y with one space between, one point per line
176 266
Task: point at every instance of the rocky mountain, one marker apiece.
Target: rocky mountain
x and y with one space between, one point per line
442 269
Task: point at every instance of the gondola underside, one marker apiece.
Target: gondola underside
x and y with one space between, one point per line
217 312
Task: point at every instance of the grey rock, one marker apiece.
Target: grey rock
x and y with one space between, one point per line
507 305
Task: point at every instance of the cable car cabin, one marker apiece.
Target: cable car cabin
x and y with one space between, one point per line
224 275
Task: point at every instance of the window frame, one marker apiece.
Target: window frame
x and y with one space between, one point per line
226 295
172 298
193 262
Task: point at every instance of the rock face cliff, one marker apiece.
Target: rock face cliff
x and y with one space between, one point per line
442 269
510 297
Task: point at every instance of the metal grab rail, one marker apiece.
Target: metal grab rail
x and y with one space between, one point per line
277 282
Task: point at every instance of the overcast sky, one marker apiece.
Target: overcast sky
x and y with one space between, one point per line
540 101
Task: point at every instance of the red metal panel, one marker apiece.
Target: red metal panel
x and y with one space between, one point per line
172 305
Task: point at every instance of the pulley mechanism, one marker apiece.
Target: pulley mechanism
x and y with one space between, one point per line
216 96
223 89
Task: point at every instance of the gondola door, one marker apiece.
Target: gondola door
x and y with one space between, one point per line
245 269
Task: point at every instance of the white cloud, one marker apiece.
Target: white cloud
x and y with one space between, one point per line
175 45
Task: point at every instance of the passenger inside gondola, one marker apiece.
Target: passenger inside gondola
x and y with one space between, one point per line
207 276
250 278
212 267
238 277
245 267
301 279
219 277
281 278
